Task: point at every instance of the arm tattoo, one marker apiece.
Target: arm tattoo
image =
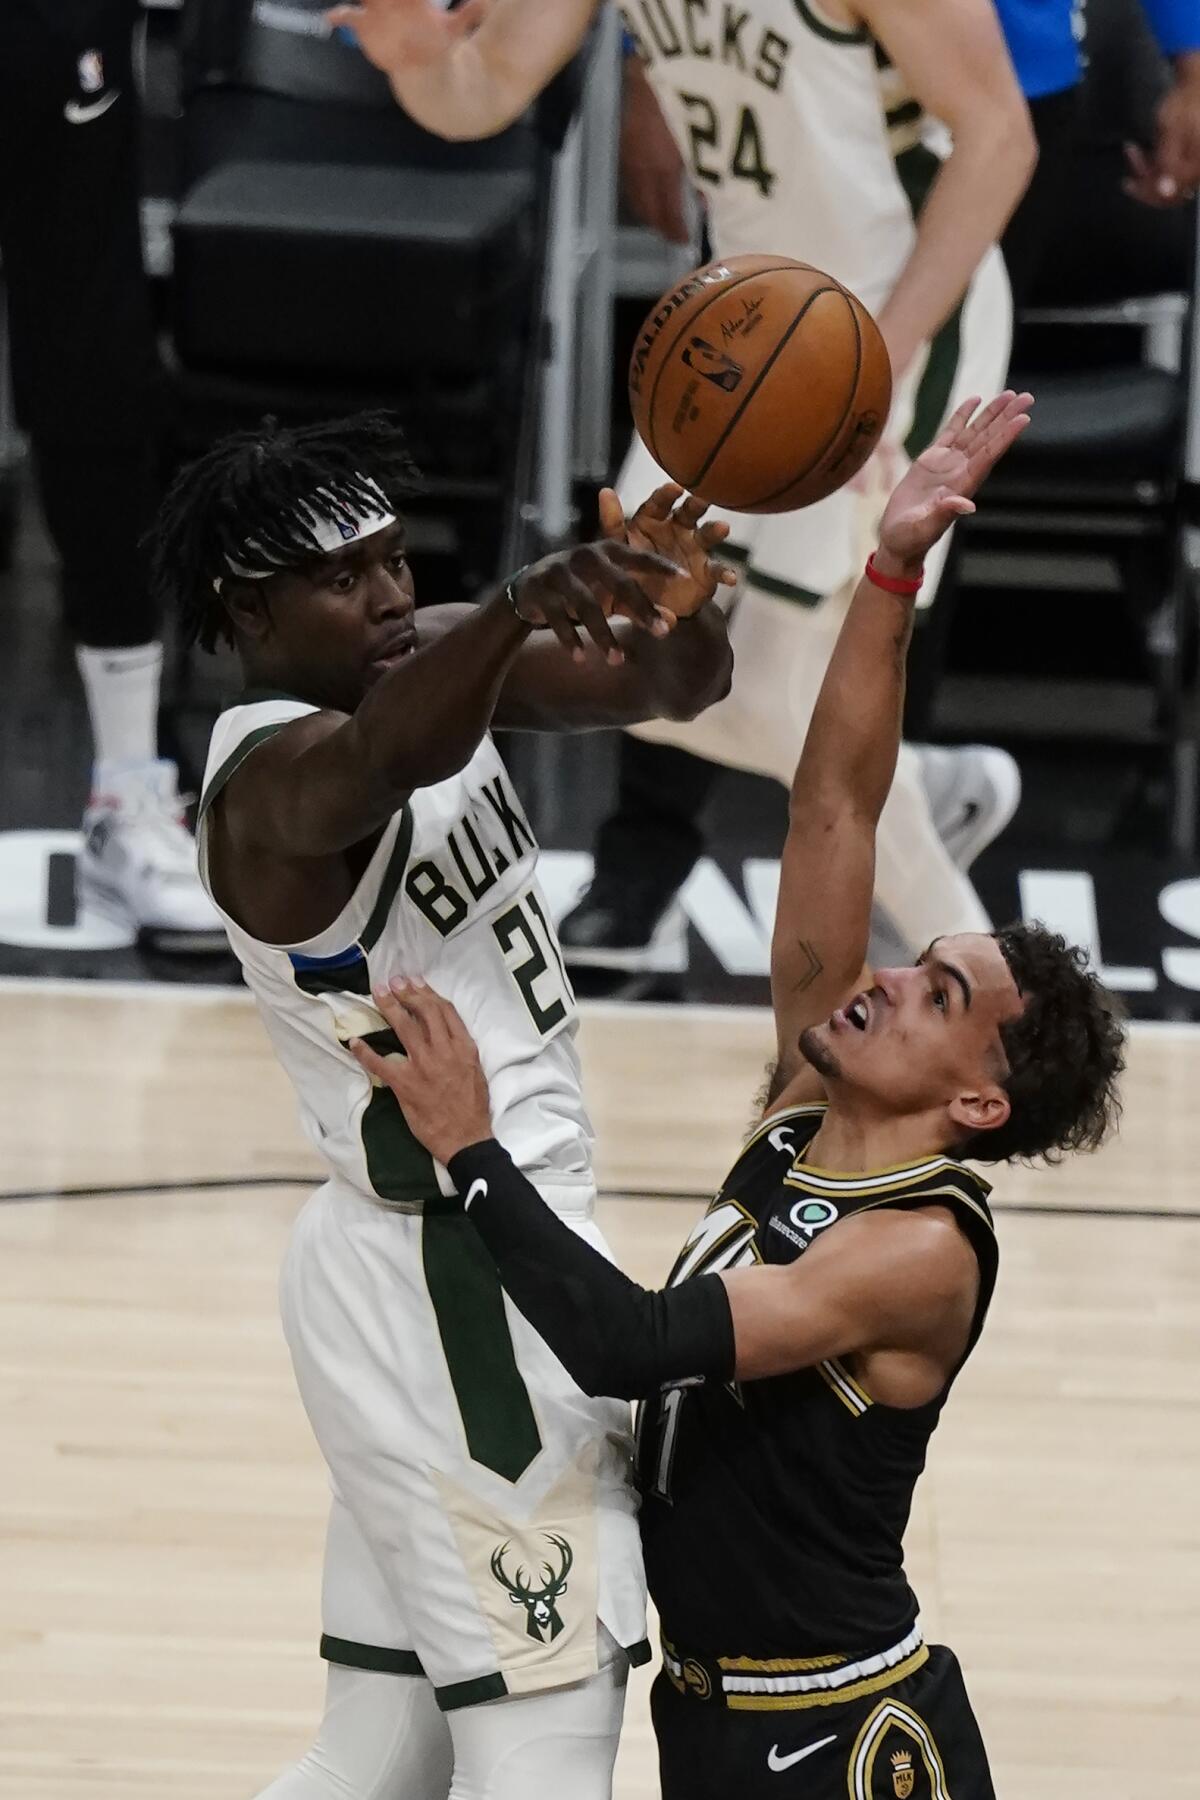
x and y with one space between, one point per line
814 967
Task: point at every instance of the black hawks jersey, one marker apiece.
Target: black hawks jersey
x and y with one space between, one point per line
773 1512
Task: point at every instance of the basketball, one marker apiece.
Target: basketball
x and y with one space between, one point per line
760 384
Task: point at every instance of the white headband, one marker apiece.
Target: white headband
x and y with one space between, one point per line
334 524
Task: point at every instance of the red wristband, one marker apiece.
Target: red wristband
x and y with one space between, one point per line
892 584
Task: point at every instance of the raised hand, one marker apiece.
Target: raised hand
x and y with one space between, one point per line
675 532
937 488
409 33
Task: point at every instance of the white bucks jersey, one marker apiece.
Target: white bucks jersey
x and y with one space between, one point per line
450 895
801 138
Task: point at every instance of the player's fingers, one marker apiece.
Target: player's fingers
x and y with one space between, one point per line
976 432
722 574
949 502
408 1027
594 621
390 1009
630 599
956 423
345 16
564 630
375 1065
633 603
659 505
713 532
991 426
612 514
690 511
1003 435
460 1037
648 565
427 1005
561 609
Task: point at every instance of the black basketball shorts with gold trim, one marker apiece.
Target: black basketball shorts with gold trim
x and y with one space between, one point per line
915 1739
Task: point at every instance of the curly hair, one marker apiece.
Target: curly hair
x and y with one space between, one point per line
1065 1053
256 488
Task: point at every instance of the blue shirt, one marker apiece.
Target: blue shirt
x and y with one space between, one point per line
1045 38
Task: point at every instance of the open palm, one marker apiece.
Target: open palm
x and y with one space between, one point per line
938 487
674 531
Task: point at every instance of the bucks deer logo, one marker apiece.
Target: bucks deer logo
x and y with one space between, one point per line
543 1622
903 1774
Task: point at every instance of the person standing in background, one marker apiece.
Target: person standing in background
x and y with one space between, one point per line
86 383
808 129
1047 40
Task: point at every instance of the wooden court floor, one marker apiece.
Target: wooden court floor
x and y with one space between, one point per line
161 1504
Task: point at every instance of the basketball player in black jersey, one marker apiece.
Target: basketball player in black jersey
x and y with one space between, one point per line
796 1365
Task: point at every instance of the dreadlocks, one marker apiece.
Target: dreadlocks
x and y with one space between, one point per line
256 488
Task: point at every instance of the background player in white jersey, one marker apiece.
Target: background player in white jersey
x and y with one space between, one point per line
806 123
356 818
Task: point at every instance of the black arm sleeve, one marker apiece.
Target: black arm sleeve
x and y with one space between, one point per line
612 1336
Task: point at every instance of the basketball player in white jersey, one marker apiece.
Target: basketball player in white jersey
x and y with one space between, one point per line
483 1590
807 124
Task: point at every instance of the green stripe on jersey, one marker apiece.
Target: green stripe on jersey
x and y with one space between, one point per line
780 589
468 1303
918 169
235 759
389 886
399 1168
907 113
833 34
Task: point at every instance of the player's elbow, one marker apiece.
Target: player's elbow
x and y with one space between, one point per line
1005 143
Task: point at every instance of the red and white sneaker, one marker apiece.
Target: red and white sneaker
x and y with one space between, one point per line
137 863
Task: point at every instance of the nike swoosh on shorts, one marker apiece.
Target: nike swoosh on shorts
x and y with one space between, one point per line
777 1764
82 112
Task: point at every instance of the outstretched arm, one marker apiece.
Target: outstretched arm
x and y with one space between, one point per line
617 1338
954 59
330 779
471 72
827 873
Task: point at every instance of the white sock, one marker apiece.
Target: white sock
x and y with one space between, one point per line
122 697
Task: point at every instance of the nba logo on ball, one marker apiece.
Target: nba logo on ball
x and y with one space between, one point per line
713 364
795 418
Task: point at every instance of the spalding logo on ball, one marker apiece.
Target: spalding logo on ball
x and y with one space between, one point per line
760 384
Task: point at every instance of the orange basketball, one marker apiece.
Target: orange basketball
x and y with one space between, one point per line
760 384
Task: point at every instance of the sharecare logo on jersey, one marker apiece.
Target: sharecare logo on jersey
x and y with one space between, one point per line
695 284
804 1220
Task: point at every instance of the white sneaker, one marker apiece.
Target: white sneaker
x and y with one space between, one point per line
137 862
973 791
